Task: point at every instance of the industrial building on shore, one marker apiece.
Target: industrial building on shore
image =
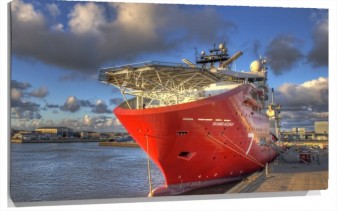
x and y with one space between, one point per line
320 133
60 134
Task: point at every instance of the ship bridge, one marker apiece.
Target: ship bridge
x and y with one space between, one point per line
161 83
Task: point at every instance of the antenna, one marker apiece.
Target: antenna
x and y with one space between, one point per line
196 53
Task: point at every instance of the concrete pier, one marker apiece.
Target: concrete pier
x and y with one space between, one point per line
282 176
54 140
119 144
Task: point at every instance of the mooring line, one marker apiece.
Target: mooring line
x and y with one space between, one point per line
241 149
236 151
148 165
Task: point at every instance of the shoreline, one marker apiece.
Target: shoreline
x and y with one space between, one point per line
78 140
118 144
73 140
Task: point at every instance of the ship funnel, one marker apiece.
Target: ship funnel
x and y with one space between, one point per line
231 60
189 63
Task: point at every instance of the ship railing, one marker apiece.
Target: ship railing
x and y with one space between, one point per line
230 82
147 64
156 102
103 75
238 81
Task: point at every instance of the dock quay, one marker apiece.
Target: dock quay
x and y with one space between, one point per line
118 144
69 140
323 144
278 176
287 176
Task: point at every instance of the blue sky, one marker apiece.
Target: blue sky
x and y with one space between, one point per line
58 48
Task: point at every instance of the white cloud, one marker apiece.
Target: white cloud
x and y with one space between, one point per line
98 33
72 104
86 18
101 123
58 27
303 104
140 18
72 123
109 122
314 92
36 123
16 94
40 92
101 107
20 107
87 121
24 12
53 9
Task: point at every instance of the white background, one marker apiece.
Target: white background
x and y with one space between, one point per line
312 200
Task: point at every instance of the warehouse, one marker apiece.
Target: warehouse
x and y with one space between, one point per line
60 132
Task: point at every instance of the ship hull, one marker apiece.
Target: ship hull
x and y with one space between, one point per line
202 143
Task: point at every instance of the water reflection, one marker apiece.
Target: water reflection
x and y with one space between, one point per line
48 172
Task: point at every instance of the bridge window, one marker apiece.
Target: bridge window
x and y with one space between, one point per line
250 80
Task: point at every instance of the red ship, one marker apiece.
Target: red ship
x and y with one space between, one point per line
202 124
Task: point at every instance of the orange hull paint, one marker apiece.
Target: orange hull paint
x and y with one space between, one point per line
202 143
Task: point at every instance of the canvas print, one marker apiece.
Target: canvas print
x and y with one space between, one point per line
116 100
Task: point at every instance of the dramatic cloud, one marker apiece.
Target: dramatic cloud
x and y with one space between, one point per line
87 18
311 94
55 108
52 105
25 13
16 94
33 39
97 33
86 103
101 123
283 54
26 114
304 103
75 76
72 104
25 110
20 89
101 108
319 54
304 119
53 10
87 121
20 85
58 27
40 92
21 108
116 101
72 123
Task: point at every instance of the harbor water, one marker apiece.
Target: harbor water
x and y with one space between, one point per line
76 171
